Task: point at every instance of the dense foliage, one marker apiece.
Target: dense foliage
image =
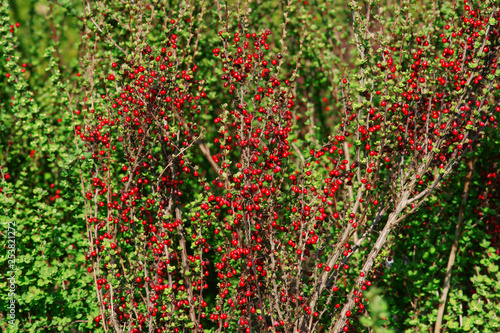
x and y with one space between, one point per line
277 166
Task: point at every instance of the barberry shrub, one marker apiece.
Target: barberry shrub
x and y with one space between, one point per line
247 166
39 194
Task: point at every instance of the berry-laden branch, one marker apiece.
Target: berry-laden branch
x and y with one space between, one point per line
423 162
211 205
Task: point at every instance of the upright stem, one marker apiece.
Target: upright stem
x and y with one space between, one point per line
187 280
454 248
349 188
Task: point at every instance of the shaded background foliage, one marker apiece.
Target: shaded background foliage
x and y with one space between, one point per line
40 183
